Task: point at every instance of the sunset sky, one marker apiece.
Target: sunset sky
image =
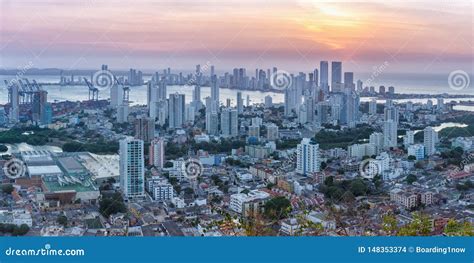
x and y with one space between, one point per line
417 36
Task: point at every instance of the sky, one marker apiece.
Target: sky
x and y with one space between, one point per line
411 36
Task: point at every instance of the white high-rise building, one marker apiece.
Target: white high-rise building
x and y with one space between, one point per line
324 76
229 122
272 132
289 101
417 150
122 113
409 138
390 125
14 113
391 113
254 131
160 189
308 159
159 111
116 95
240 103
215 90
377 139
302 115
430 139
176 111
190 113
212 117
157 153
132 168
268 101
197 89
440 104
361 150
151 93
257 121
162 90
373 107
390 133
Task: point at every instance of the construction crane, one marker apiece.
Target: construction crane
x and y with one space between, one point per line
126 91
25 90
92 91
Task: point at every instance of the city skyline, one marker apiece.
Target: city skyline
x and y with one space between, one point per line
249 118
295 34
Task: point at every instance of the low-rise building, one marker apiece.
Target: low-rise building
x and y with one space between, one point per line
250 203
16 217
160 189
411 198
290 226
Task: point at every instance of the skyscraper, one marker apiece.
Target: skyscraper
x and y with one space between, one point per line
307 160
132 168
324 76
373 107
390 133
229 122
116 95
212 117
390 128
176 111
350 108
214 89
157 153
322 112
377 139
162 89
336 76
430 138
268 101
240 103
122 113
316 76
272 132
40 99
197 89
349 80
144 129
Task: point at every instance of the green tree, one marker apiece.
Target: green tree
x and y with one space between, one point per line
62 220
389 224
419 226
358 187
112 204
455 228
411 178
7 188
277 207
3 148
20 230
